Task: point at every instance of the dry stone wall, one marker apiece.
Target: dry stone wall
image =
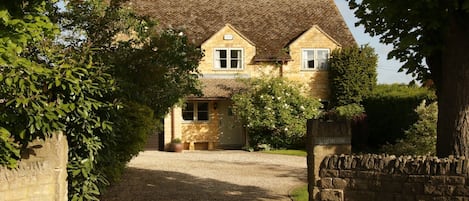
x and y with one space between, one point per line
390 178
41 174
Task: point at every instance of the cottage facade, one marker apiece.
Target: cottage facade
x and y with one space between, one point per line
243 39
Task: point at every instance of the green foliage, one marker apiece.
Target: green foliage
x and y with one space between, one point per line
47 87
274 112
132 126
389 111
153 70
352 74
416 29
346 112
176 140
9 152
420 138
69 84
158 73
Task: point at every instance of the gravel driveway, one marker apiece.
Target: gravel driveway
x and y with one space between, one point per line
209 175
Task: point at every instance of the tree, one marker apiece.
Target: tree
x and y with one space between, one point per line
59 71
352 74
434 31
152 70
274 112
420 137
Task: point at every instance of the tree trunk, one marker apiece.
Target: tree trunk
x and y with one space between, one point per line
453 90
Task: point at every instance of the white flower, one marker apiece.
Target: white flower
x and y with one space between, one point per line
302 108
181 34
286 129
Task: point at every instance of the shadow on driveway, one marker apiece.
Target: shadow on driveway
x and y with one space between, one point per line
155 185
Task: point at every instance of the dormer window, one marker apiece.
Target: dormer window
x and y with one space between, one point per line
228 58
315 59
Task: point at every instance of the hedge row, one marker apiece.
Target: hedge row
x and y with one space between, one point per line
390 111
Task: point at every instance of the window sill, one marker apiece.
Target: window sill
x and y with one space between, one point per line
195 122
228 69
314 70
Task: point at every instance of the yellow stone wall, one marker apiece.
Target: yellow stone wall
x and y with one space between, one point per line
315 81
206 65
201 131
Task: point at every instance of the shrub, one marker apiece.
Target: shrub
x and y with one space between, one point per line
132 126
420 138
390 110
352 74
345 112
274 112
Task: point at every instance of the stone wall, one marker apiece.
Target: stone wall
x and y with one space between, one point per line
40 176
384 177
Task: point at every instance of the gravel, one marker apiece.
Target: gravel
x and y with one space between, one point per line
208 175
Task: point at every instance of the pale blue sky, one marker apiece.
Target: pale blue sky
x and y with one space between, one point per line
387 69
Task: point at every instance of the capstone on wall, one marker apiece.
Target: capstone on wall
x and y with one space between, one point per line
41 175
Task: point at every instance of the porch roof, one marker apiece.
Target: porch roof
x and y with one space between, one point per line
218 89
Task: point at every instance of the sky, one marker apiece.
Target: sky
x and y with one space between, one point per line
387 69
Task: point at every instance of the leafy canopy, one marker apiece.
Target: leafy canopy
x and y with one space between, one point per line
415 28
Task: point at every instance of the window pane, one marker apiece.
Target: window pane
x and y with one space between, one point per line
235 54
235 63
223 64
310 54
202 111
310 64
322 63
188 112
221 57
235 59
323 55
308 59
221 54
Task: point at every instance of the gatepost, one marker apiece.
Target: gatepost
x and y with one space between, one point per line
325 138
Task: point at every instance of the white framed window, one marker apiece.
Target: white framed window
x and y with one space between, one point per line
315 59
228 58
195 111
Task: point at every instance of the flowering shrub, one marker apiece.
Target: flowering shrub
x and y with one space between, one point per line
274 112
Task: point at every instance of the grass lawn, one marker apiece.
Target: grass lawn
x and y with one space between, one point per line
300 193
291 152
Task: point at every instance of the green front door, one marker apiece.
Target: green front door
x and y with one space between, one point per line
230 131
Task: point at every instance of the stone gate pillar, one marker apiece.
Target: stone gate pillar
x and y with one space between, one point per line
325 138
